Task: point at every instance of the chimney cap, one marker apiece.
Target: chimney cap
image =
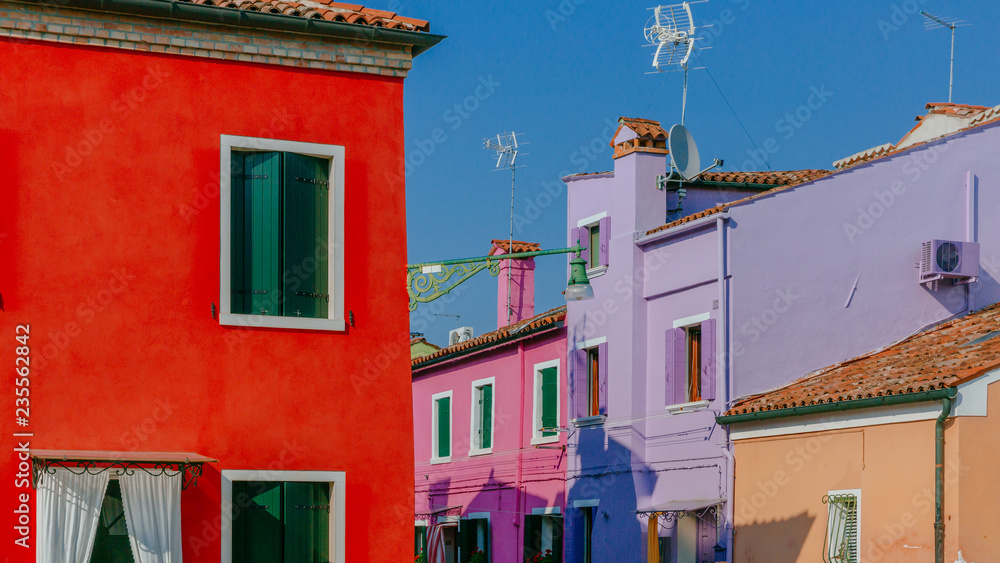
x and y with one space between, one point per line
518 246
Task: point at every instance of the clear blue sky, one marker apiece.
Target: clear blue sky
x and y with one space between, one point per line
559 71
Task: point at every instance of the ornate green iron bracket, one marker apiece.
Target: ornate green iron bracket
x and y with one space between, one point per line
428 281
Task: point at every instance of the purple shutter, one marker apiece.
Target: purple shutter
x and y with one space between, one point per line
605 235
602 384
675 380
708 360
578 360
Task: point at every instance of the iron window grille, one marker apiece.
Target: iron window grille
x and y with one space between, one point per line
841 544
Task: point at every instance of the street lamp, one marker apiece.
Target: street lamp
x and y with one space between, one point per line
428 281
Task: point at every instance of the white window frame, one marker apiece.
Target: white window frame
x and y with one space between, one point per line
434 427
338 494
587 223
335 154
536 407
475 421
857 497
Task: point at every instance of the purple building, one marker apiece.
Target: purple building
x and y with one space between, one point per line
736 284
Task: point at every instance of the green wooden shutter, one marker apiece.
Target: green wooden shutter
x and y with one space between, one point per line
257 522
487 416
550 404
305 270
532 536
256 233
466 540
307 522
444 427
420 540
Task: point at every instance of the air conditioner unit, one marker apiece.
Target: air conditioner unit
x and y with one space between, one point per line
460 334
948 259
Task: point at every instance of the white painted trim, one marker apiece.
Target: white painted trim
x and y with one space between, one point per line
590 420
874 416
434 427
597 271
682 408
477 516
474 412
545 511
335 321
591 343
857 495
424 523
338 513
973 396
692 320
592 220
587 503
536 403
450 518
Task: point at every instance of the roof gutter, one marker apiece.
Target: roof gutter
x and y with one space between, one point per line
172 9
839 406
683 227
488 345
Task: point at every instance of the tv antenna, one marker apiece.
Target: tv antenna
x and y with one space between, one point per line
505 146
932 23
456 317
671 29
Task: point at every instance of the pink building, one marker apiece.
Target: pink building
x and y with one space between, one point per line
490 459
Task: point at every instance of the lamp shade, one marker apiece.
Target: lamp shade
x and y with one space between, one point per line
578 287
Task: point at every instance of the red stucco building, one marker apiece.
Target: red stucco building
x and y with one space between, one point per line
201 272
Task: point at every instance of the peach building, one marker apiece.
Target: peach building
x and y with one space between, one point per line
888 457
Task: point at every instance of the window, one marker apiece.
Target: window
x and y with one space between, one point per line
843 509
590 372
420 540
690 363
293 516
594 233
588 534
482 417
546 403
473 536
441 428
543 533
111 544
282 228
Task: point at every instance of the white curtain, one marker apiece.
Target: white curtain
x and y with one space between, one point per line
68 510
153 515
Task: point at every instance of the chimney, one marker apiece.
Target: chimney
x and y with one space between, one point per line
640 154
521 284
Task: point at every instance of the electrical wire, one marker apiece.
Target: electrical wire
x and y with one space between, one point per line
740 121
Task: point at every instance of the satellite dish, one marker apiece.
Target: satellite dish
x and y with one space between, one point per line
683 152
671 29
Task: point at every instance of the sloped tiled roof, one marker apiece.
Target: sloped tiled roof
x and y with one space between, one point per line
550 318
325 10
943 356
770 177
422 340
957 110
519 246
863 156
790 177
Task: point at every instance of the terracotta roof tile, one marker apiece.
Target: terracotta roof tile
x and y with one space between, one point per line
790 178
771 177
940 357
644 128
958 110
326 10
519 246
550 318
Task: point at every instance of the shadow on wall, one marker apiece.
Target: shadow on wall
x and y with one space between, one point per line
617 534
777 540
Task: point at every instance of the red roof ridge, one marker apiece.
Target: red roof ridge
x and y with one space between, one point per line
519 246
322 9
550 317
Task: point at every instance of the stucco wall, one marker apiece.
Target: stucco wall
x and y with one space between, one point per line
109 249
796 256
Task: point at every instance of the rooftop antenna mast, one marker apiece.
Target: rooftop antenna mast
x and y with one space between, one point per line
505 145
932 23
671 29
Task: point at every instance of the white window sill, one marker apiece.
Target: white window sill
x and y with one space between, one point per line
590 420
538 440
484 451
268 321
440 460
682 408
597 272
